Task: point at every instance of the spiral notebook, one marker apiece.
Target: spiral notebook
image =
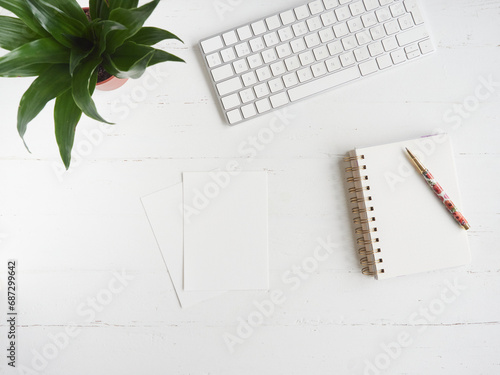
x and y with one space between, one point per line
401 227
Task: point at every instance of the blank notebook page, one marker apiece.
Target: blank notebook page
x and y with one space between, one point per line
415 230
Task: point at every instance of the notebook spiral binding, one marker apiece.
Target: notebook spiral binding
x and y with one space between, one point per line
368 251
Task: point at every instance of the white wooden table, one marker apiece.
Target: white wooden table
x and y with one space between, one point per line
71 232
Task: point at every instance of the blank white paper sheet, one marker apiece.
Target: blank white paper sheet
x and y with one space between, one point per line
164 211
225 231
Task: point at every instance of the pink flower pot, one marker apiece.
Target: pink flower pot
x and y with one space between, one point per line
112 83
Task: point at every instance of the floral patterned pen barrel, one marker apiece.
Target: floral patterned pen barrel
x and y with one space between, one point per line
439 192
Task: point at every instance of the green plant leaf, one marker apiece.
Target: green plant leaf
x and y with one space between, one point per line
14 33
57 23
99 9
21 9
152 35
125 4
76 56
39 51
81 84
102 29
33 70
133 19
162 56
51 83
66 117
70 8
129 61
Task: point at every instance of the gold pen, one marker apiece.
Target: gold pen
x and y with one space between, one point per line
438 190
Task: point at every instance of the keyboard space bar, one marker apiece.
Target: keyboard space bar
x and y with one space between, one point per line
325 83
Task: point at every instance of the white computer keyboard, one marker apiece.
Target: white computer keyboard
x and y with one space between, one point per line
303 51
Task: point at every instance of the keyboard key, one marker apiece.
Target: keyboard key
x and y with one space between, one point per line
355 25
228 54
377 32
357 8
323 83
248 110
383 15
371 4
368 67
234 116
231 101
273 22
240 66
276 85
244 32
426 46
212 44
397 9
229 86
390 43
412 35
335 48
300 28
222 72
263 105
269 55
329 4
376 49
302 12
369 19
312 40
384 61
405 22
385 2
255 61
391 27
290 79
350 42
284 50
264 73
230 38
249 79
398 56
342 13
261 90
278 68
298 45
326 35
285 34
306 58
319 69
340 30
316 7
321 53
292 63
287 17
259 27
279 100
314 24
363 37
333 64
257 44
247 96
328 18
304 74
361 54
242 49
213 60
347 59
271 39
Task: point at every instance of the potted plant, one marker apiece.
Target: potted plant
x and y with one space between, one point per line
67 50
